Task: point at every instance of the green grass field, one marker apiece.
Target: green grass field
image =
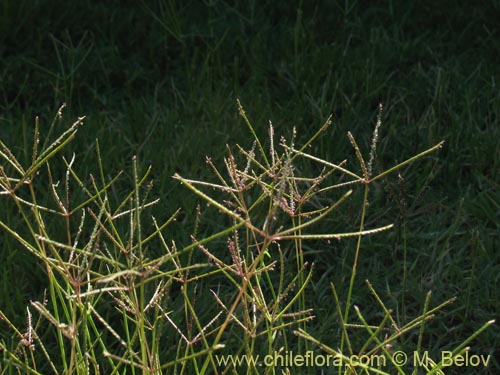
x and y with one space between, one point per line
160 80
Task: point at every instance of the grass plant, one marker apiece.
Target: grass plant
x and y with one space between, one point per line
158 80
124 297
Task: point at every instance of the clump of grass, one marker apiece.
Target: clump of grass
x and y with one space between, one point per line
124 297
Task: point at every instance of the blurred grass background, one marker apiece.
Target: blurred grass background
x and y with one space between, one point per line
160 79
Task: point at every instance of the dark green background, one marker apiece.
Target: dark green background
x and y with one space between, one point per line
160 80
